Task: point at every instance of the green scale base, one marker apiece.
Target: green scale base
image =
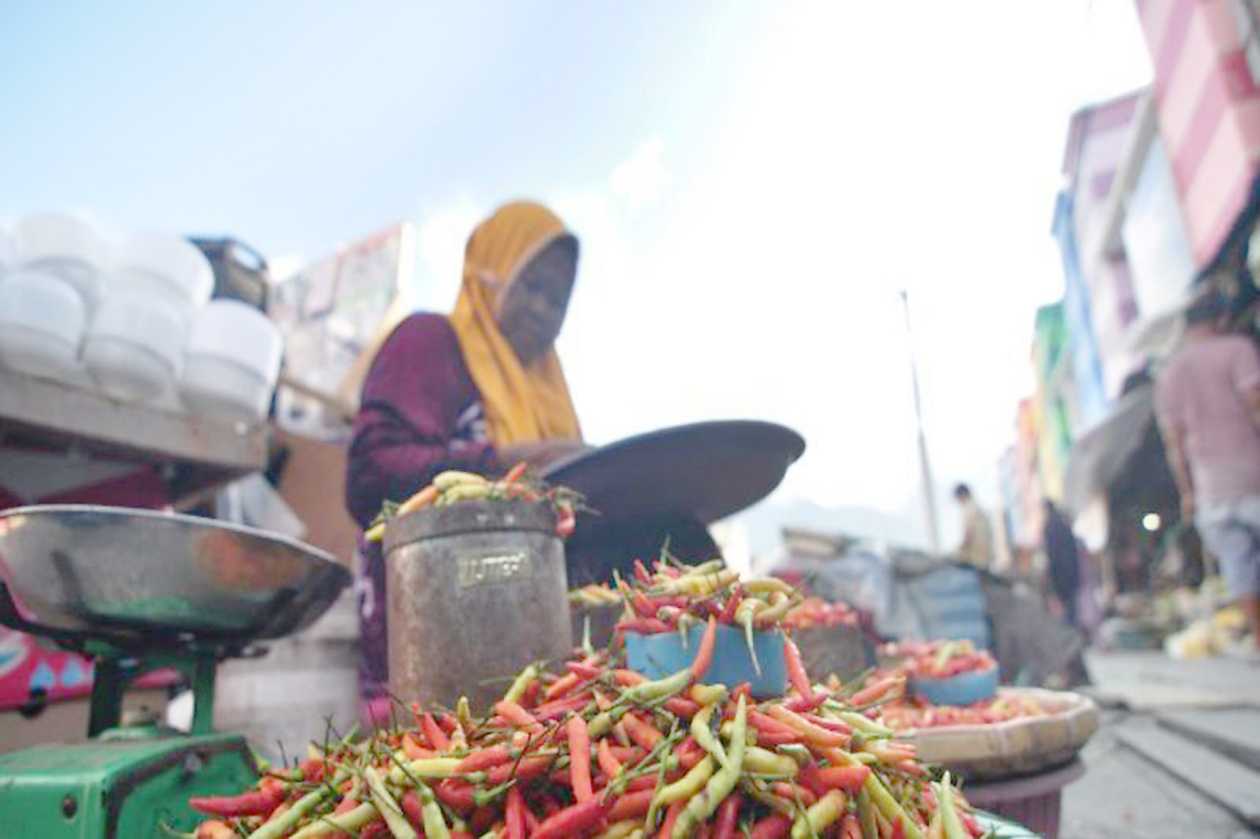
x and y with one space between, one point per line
126 784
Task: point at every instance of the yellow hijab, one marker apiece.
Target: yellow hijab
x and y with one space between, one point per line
522 403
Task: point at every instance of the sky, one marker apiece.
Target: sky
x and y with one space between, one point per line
752 183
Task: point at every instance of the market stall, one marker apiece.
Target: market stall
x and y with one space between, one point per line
699 711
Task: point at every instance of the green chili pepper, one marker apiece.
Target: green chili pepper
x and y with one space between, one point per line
289 819
702 806
701 730
390 811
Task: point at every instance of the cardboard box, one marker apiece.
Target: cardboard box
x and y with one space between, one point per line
313 484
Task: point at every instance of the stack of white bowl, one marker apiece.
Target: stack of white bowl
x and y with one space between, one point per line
49 293
131 316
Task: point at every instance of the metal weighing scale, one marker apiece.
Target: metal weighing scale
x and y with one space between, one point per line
141 591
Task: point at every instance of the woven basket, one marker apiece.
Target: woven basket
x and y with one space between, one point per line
1014 747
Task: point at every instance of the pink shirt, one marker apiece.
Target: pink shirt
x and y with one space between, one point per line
1203 391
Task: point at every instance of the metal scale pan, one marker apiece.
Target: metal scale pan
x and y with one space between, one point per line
138 579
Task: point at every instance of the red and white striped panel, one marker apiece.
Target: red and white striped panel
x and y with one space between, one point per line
1209 110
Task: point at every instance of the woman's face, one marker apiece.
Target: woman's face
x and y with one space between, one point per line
533 309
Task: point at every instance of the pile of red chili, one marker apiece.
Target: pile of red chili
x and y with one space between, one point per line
937 659
599 750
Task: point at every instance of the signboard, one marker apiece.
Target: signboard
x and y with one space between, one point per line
31 668
332 314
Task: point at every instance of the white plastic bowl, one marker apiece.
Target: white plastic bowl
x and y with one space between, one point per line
231 362
67 246
42 320
134 346
168 267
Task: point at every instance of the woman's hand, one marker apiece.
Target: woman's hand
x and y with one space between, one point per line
541 453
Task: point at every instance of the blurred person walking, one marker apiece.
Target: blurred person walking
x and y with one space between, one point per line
1063 561
1208 403
976 548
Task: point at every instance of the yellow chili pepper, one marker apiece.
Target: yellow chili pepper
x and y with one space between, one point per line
688 785
816 819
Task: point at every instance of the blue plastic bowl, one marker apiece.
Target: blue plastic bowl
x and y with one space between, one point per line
659 655
963 689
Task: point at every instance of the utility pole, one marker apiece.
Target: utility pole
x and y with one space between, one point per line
929 488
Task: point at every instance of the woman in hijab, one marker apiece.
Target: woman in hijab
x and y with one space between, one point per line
479 390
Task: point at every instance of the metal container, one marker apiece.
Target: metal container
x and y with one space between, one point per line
476 591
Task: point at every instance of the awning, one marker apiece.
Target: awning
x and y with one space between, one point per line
1102 453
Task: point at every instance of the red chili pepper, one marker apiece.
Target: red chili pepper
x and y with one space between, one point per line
566 522
689 754
481 820
583 670
796 669
743 689
413 809
514 820
531 822
671 817
643 782
484 759
643 605
728 817
530 696
632 805
801 705
528 767
773 826
831 725
643 626
704 655
770 730
732 603
973 826
808 777
579 758
899 829
515 473
794 792
847 778
515 714
458 795
608 762
867 695
313 769
563 685
560 707
572 820
346 805
433 733
628 678
641 573
643 734
851 828
626 754
413 750
259 802
681 707
375 830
